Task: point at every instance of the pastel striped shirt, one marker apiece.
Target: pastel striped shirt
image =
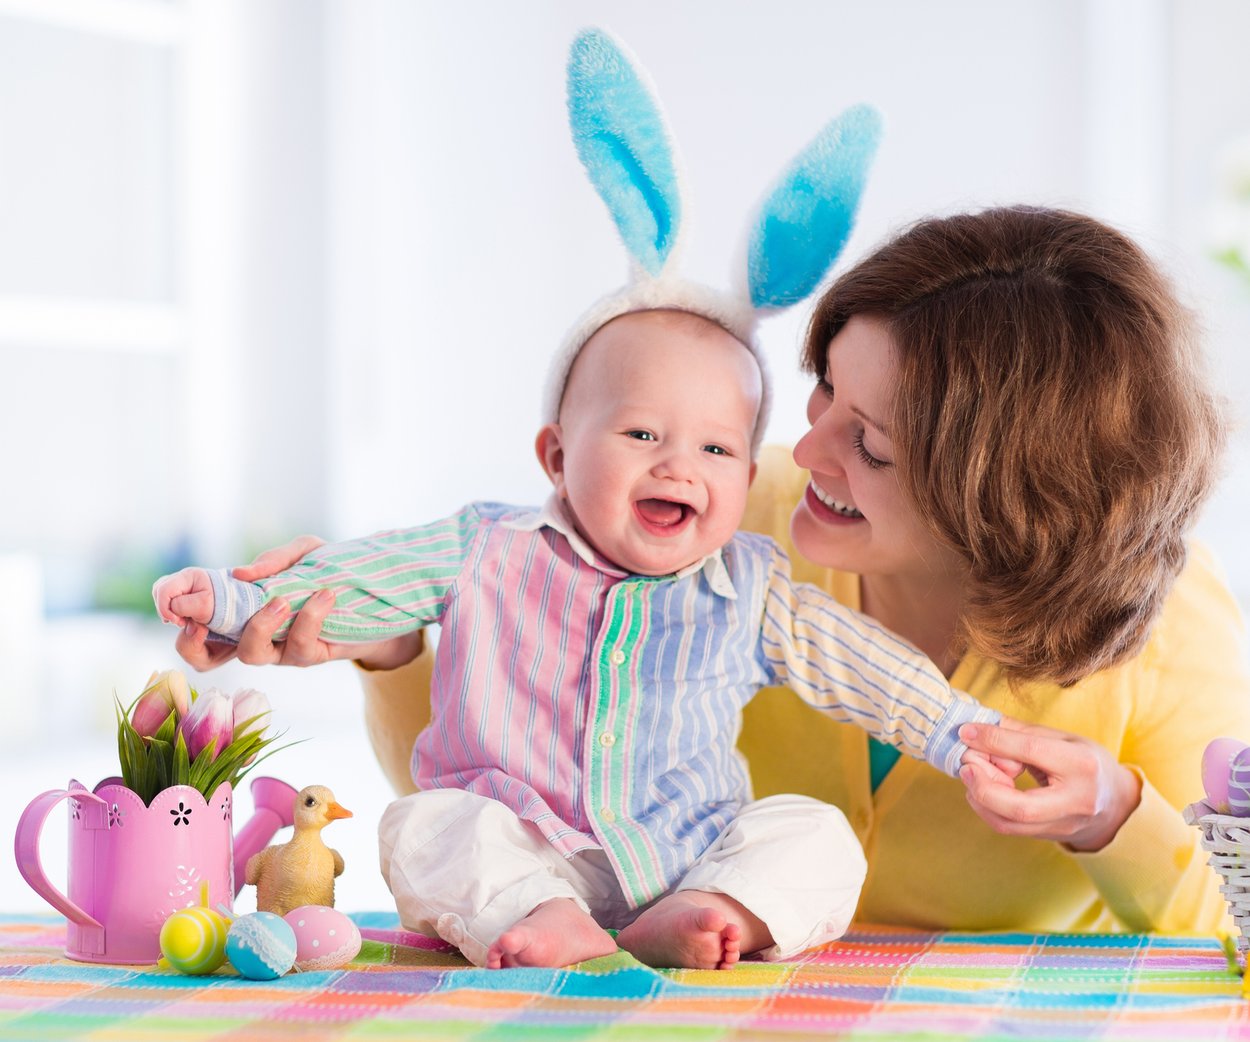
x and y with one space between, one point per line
605 707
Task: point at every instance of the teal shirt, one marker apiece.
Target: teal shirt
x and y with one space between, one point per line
881 758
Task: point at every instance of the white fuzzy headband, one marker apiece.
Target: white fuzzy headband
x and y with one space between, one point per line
797 232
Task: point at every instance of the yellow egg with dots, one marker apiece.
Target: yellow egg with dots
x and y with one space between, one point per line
194 940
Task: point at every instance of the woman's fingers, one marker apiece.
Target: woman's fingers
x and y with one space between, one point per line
256 646
1083 795
279 558
988 767
304 646
198 651
1040 813
1026 745
1025 807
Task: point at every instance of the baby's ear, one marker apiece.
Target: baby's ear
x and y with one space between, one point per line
550 449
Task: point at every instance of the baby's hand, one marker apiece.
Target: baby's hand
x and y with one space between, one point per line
185 596
976 764
995 769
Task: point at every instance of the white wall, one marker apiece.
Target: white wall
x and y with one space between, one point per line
1208 109
469 239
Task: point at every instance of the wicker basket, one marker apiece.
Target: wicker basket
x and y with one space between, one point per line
1226 839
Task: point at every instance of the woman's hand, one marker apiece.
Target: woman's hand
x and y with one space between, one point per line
303 645
1083 793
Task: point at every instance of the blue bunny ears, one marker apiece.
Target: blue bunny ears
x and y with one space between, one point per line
804 222
624 144
797 233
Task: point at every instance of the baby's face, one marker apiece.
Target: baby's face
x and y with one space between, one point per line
652 453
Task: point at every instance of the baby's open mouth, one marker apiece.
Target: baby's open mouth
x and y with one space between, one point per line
663 513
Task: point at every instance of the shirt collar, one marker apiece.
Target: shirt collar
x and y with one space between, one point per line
554 515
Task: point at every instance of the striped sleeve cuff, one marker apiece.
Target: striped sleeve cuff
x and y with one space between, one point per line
945 749
234 603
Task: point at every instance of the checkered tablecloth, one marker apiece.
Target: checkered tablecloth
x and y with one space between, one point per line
873 984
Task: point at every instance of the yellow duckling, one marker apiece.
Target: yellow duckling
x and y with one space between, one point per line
301 871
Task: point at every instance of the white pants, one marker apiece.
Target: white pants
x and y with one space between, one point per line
465 868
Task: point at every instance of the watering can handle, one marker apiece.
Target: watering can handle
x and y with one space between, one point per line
26 851
275 809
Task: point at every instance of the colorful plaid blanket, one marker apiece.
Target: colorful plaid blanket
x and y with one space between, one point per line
873 984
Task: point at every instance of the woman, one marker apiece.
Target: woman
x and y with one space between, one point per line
1009 438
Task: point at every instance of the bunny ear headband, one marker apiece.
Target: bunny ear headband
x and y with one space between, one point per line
796 234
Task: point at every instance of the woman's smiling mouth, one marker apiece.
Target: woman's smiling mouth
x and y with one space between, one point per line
838 507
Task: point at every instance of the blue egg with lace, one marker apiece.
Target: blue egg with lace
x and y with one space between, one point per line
261 946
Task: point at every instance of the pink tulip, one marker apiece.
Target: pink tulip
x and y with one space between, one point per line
165 693
250 704
211 719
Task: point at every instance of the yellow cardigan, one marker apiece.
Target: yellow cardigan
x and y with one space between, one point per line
931 861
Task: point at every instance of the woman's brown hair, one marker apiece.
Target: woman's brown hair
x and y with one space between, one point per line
1050 423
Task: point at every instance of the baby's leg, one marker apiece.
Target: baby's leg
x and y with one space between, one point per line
694 929
787 871
463 867
556 933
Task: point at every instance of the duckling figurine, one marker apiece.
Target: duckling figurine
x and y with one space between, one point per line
301 871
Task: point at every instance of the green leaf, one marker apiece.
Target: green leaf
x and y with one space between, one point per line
241 727
160 762
123 757
202 769
167 729
181 772
136 764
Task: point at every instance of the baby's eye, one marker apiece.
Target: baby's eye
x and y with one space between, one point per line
716 450
640 435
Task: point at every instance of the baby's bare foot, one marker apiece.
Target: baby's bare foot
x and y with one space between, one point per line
556 933
683 930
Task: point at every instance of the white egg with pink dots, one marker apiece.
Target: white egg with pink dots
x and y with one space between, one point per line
325 939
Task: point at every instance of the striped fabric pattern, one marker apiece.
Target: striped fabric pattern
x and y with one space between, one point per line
605 707
873 984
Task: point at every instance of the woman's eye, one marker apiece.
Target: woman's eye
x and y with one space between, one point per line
869 459
640 435
825 387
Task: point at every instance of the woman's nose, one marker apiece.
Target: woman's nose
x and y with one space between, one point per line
805 450
816 450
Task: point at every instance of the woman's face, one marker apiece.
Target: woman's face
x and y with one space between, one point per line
853 515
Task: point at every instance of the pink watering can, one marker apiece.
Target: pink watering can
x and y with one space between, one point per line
132 866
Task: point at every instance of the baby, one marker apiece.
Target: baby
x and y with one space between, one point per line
580 773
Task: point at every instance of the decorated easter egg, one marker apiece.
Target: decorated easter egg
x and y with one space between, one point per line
324 938
261 946
1217 762
1239 784
194 940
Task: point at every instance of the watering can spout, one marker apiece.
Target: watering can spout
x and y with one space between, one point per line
275 809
